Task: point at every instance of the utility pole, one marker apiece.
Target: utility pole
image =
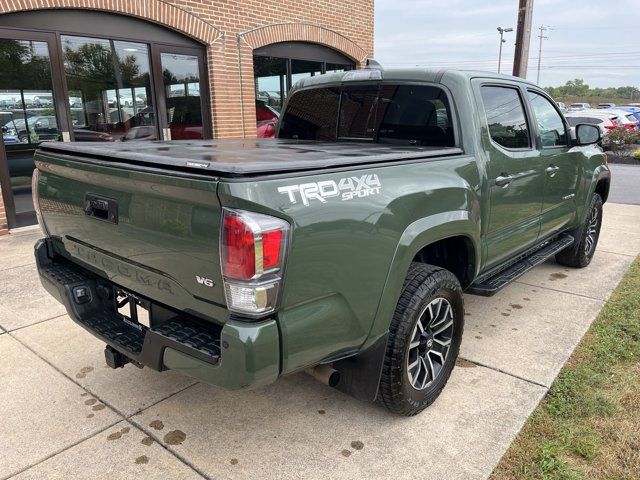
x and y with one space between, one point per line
523 38
542 29
502 40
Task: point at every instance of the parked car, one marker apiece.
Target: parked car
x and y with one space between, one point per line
342 247
266 119
143 132
624 119
35 129
562 106
578 106
635 111
8 105
606 105
9 139
605 122
85 134
126 101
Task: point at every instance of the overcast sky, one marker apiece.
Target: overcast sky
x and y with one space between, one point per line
596 40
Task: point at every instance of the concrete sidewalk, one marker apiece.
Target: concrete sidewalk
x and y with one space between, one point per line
63 413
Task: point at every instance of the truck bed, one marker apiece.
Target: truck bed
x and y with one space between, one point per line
243 157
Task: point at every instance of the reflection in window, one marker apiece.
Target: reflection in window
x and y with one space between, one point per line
27 110
109 88
27 114
337 67
181 76
413 115
505 117
270 80
550 124
303 68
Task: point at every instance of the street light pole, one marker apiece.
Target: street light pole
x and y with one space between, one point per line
502 40
542 29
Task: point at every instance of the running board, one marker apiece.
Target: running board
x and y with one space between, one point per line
489 286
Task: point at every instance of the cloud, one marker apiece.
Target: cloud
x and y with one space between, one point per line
463 33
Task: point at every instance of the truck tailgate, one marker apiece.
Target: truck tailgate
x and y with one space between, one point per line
154 233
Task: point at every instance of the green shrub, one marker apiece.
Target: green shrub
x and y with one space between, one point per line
620 138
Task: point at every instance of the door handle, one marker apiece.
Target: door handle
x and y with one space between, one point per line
504 180
552 170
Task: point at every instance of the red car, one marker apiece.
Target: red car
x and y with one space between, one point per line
266 119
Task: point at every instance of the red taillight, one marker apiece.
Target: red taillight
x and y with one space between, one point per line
252 255
253 244
239 259
271 247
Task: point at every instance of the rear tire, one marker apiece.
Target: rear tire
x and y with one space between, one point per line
424 340
580 255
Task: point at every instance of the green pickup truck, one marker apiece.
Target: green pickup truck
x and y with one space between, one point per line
341 248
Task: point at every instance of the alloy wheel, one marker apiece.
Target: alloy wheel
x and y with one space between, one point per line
430 343
592 231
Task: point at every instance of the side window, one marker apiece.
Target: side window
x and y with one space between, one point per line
505 117
550 124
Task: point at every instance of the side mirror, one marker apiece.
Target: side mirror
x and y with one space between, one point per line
587 134
5 129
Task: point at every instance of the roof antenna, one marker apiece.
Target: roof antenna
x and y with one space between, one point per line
371 63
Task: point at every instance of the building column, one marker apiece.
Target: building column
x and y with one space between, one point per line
4 225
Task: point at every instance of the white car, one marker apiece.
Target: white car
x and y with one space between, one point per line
574 107
623 118
604 121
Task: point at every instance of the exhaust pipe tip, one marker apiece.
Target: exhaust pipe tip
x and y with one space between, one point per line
325 374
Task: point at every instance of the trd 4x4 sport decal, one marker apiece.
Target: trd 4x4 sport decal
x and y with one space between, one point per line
347 188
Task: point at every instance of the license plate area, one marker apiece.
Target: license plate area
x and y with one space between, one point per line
132 309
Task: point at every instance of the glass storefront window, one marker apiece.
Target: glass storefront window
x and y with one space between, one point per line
181 75
109 89
303 68
274 75
270 75
27 112
337 67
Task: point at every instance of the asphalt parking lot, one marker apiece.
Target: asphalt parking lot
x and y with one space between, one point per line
65 414
626 184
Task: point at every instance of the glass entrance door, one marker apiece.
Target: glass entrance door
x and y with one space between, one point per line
30 109
181 101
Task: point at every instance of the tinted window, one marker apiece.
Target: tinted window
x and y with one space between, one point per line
311 115
398 114
550 124
573 121
505 117
358 110
414 115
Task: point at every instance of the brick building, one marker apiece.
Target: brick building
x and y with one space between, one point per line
133 70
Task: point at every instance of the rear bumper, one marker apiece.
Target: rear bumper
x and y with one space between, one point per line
234 356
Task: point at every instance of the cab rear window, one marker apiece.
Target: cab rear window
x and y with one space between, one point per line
417 115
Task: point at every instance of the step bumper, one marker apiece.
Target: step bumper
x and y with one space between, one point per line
235 355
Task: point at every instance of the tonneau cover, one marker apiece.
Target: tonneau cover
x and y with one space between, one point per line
244 157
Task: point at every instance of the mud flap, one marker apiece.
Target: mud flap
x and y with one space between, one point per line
360 374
